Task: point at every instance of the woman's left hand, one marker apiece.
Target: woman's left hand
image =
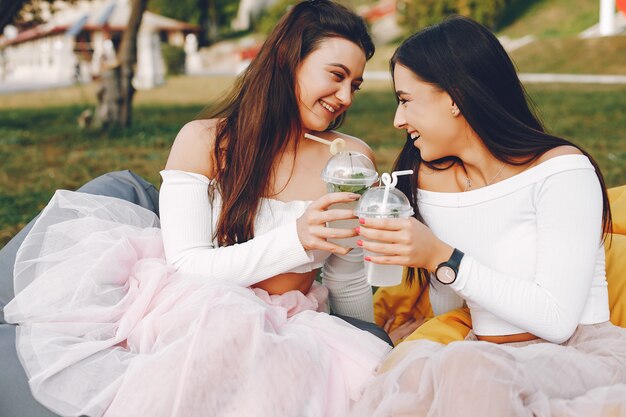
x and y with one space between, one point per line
406 242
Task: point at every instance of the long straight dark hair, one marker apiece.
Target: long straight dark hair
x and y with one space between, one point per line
463 58
260 115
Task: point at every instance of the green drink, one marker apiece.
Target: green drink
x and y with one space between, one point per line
350 172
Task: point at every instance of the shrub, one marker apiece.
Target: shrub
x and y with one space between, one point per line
174 57
417 14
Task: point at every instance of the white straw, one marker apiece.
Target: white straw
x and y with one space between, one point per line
336 145
396 174
317 139
390 182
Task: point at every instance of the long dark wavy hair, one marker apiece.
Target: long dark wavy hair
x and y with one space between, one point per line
463 58
260 115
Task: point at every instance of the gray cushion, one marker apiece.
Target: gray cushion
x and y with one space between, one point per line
15 397
373 328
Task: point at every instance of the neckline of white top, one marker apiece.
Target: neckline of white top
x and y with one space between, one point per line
509 185
211 182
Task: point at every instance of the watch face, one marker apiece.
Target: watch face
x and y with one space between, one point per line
445 274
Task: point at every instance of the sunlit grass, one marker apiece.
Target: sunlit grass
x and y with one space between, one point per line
551 18
605 55
177 90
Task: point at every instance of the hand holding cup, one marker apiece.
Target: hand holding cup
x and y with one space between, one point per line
311 226
385 202
405 242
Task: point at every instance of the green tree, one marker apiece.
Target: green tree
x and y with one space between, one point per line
24 13
213 16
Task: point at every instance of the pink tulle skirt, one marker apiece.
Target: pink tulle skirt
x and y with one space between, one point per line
583 377
107 328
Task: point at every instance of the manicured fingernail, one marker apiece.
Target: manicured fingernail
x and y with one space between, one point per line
359 242
362 221
355 196
368 259
357 230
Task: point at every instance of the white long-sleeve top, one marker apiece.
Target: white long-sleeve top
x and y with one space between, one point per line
534 261
188 220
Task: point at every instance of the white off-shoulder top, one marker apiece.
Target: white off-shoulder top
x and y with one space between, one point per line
534 261
188 220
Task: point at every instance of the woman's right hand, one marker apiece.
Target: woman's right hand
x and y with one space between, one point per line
311 226
406 242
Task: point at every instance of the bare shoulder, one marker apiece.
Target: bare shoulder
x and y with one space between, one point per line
352 143
558 151
192 150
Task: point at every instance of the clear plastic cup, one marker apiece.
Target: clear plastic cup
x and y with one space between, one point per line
348 172
371 206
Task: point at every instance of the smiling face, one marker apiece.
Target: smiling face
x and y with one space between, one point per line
427 113
326 81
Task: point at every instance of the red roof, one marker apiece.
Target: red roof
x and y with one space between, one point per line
34 33
47 29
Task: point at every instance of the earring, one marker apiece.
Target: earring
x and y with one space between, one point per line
454 111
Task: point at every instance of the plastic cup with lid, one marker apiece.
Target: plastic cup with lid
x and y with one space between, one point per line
353 172
384 202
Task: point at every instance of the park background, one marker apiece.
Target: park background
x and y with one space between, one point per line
44 144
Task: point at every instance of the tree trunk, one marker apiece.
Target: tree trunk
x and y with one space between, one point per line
127 57
203 6
115 96
209 24
213 23
109 97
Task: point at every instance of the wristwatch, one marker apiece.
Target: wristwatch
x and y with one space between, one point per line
447 271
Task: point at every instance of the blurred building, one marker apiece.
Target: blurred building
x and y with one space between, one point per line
382 18
80 39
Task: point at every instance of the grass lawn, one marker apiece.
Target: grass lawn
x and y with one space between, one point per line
550 18
573 55
42 149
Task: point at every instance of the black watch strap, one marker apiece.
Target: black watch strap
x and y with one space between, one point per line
455 259
447 271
